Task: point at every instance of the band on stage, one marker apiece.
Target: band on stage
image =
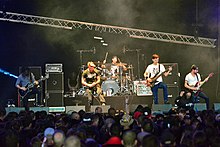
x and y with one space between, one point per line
102 79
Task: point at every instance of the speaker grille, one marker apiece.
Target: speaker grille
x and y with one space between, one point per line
55 83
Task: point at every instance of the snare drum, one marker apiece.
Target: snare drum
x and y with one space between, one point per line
110 87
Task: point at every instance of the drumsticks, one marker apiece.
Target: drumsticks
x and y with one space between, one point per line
106 55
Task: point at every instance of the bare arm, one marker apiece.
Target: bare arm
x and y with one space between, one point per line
145 74
167 73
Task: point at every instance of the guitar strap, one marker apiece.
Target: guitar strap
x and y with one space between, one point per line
197 77
156 73
159 68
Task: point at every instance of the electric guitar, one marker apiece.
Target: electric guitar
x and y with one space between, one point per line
198 85
154 79
30 86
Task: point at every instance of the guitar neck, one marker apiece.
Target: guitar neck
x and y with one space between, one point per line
157 76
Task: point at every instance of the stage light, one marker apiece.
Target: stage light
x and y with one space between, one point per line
99 38
104 44
7 73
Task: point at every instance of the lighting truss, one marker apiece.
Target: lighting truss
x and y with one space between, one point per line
130 32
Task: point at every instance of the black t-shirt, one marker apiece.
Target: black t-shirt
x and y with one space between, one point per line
90 76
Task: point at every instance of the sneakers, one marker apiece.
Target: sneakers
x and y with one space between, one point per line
103 104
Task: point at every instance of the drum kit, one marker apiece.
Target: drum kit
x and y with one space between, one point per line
117 82
113 82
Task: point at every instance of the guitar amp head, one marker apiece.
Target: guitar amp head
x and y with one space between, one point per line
54 67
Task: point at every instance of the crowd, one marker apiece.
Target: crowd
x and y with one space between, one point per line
178 127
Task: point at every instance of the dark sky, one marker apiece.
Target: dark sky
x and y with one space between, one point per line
30 45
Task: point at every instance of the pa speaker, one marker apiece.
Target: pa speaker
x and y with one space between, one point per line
35 109
200 106
55 83
161 107
54 99
217 107
70 109
14 109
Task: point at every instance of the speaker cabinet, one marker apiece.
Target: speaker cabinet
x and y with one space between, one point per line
36 70
55 83
173 92
174 75
54 99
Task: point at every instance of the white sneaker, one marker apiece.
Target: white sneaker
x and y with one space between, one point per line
103 104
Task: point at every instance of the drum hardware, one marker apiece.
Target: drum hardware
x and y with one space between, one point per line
110 87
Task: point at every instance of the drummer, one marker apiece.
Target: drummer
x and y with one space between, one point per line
114 67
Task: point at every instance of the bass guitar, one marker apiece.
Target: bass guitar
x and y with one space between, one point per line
154 79
30 86
198 85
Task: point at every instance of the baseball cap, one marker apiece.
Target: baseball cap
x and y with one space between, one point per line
194 67
91 64
155 56
49 132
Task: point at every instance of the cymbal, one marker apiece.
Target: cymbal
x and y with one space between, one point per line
98 62
120 64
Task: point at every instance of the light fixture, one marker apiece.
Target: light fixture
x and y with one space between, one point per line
96 37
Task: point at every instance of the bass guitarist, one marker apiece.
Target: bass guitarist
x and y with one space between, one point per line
24 79
193 83
153 74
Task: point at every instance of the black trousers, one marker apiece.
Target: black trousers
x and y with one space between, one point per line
201 94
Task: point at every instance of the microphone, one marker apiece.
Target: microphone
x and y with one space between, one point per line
123 49
94 50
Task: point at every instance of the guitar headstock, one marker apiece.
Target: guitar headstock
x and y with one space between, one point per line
211 74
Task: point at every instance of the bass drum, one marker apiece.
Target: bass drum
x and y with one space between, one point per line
110 87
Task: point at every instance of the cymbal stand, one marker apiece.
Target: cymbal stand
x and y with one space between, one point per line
121 78
138 58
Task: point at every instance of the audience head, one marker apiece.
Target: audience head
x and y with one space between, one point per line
129 139
72 141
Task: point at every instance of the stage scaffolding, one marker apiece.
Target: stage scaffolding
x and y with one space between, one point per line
130 32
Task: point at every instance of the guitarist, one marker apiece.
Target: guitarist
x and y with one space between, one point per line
192 82
27 77
152 71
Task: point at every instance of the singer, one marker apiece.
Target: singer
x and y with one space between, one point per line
91 80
